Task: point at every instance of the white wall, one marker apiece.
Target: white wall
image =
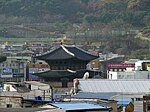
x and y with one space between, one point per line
138 65
129 75
38 87
138 106
35 87
6 86
112 75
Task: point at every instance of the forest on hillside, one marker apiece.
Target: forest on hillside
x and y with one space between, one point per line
117 22
134 12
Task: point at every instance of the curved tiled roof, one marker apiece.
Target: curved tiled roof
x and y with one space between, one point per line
67 52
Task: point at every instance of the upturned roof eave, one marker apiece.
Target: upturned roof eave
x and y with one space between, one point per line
83 59
69 55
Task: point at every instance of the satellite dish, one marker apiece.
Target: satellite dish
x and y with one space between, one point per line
86 75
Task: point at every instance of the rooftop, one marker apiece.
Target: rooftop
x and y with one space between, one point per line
87 95
67 52
79 106
36 83
117 86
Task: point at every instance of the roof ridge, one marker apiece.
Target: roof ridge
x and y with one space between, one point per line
67 51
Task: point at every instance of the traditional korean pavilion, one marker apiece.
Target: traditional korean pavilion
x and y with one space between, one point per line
66 62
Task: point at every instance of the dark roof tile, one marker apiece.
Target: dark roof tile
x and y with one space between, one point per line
67 52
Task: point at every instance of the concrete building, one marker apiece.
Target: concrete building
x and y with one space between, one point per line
138 70
36 68
129 75
34 85
10 102
146 103
38 47
12 70
132 90
142 65
9 86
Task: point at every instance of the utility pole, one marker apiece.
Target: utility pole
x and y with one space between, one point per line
51 88
44 95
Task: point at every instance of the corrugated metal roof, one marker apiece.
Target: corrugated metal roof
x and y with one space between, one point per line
78 106
86 95
117 86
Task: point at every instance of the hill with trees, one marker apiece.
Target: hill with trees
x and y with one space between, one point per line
115 22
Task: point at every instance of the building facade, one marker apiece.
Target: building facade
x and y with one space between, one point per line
66 62
12 71
10 102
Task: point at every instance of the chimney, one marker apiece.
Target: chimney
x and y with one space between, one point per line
75 84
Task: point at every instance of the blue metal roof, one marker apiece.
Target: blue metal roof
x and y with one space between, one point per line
123 102
88 95
79 106
35 100
55 96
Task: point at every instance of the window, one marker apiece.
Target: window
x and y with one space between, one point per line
9 105
15 71
64 84
139 99
148 107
